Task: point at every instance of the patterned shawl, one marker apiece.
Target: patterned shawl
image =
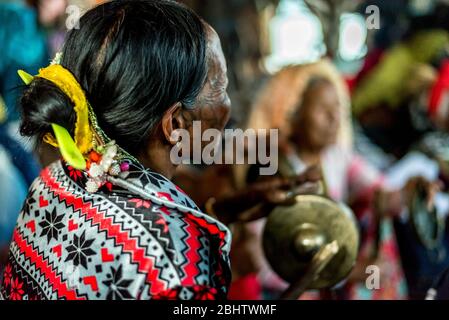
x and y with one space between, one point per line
138 237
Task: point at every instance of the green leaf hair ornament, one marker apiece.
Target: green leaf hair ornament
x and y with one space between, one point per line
68 148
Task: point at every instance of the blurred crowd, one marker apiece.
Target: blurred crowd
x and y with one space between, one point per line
376 125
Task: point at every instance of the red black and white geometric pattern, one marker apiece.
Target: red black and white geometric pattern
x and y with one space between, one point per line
139 237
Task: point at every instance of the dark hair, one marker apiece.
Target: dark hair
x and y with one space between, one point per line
134 59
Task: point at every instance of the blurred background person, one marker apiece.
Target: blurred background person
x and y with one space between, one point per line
28 39
13 190
314 119
24 43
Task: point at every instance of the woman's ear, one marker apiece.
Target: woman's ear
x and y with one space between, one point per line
173 120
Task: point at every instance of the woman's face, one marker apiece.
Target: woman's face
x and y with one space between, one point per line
317 121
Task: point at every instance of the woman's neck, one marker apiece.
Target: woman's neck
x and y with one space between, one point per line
309 157
308 154
157 158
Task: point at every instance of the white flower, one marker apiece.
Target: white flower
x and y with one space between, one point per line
91 186
56 59
114 170
95 170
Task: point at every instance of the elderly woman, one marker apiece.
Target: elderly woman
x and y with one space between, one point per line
309 104
105 222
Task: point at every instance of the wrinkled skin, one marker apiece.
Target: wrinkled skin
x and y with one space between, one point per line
212 108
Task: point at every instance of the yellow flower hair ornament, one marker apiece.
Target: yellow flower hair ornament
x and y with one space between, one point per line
72 151
91 150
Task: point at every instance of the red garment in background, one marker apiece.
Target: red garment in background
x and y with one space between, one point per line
246 288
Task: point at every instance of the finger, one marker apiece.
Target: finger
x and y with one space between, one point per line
312 174
270 183
432 190
307 188
252 214
279 197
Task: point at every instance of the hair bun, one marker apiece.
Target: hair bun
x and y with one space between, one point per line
44 103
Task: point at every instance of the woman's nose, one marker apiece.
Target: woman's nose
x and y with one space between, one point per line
333 116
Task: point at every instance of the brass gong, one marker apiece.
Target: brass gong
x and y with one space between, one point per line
315 237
